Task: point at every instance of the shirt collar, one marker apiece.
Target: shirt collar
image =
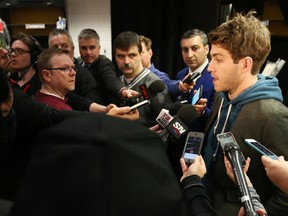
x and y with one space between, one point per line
201 68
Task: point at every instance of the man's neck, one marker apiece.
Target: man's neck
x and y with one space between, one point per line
200 68
45 89
232 94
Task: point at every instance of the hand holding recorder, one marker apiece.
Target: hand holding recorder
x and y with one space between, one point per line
196 168
277 171
191 78
193 146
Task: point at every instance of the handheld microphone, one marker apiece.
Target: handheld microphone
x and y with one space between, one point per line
146 93
177 126
165 116
232 151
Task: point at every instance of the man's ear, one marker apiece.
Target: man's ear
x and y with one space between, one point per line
150 52
206 47
46 75
246 64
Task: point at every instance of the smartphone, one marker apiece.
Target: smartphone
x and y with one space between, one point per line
197 96
191 78
140 104
193 146
227 138
260 148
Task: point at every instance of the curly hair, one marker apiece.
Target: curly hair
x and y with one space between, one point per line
243 36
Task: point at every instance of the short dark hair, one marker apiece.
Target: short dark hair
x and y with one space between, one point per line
88 34
33 45
196 32
127 39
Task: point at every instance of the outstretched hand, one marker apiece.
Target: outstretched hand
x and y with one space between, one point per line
128 93
124 112
277 171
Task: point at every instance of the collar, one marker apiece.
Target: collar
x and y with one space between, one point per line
136 79
201 68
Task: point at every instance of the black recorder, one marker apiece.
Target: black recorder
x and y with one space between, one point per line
227 139
190 79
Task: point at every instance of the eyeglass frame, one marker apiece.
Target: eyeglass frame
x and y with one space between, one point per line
16 51
64 69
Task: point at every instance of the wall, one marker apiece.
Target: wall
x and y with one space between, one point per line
97 15
45 15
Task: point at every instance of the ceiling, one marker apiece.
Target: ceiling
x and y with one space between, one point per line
31 3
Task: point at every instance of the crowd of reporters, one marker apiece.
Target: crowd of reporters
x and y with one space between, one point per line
23 118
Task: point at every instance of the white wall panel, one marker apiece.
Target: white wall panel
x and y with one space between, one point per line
94 14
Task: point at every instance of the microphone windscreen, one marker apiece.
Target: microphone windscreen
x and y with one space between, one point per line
231 145
187 113
175 108
156 87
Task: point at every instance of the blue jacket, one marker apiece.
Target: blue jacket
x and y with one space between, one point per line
206 80
208 92
171 84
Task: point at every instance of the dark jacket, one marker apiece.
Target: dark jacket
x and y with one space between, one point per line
198 201
257 113
108 84
99 165
159 101
32 118
85 84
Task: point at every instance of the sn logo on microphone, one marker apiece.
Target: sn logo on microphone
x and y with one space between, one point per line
178 128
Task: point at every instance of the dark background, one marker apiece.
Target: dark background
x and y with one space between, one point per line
164 21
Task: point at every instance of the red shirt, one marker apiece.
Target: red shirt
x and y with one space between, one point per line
52 101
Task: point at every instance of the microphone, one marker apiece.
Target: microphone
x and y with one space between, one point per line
146 93
177 125
235 156
165 116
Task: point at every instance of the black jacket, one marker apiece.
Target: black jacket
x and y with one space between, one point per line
108 84
32 118
85 84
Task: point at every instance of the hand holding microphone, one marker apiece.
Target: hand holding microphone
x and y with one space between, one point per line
237 160
146 93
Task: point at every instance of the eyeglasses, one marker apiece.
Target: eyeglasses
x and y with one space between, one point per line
64 69
17 51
